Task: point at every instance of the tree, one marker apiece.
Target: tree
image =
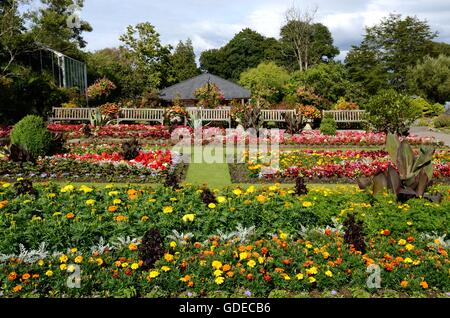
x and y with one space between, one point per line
392 112
391 47
319 48
431 79
331 81
13 39
183 62
149 58
51 27
266 81
246 50
435 49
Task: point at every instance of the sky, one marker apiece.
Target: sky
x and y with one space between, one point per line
212 23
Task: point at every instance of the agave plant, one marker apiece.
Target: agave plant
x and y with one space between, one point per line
295 123
412 176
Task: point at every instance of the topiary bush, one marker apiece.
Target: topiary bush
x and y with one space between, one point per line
442 120
32 135
328 126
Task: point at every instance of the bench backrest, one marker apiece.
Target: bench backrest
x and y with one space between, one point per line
141 114
275 115
73 113
346 116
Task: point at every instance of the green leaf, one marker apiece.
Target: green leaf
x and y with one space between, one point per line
392 145
393 179
405 160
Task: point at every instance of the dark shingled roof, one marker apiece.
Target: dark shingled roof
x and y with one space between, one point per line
187 88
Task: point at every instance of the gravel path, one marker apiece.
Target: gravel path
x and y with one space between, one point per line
426 132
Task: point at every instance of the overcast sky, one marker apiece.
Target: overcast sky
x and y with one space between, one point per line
212 23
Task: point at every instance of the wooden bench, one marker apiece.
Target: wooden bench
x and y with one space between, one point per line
141 114
71 114
275 115
218 114
346 116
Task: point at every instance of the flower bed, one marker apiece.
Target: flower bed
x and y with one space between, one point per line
357 138
109 167
250 241
323 164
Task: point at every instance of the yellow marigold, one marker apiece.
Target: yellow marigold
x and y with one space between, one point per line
117 201
409 247
307 204
408 260
145 218
312 271
63 267
79 259
63 258
90 202
167 209
402 242
68 188
153 274
251 263
134 266
165 268
328 273
113 193
219 280
51 195
251 189
41 262
261 199
312 280
221 199
300 276
211 206
286 277
6 185
86 189
261 260
217 264
218 273
243 256
99 261
173 244
49 273
237 192
189 218
125 265
168 257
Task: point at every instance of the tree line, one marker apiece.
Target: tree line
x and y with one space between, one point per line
398 53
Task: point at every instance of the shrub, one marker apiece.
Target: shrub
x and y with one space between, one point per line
434 110
342 104
328 126
32 135
392 112
442 120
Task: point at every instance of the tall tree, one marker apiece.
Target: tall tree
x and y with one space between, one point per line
14 40
296 34
246 50
183 62
56 24
150 59
431 79
393 45
265 82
